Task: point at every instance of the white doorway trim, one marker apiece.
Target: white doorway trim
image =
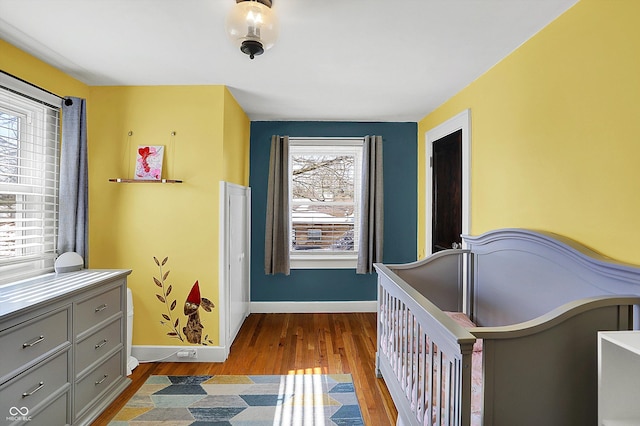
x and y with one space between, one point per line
230 309
462 121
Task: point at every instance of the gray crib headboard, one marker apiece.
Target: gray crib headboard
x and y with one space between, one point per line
520 274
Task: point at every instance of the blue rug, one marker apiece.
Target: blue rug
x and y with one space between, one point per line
292 400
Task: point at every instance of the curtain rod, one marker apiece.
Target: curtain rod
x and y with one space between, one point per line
66 100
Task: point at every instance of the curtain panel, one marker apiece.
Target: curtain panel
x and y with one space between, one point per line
74 181
371 218
276 250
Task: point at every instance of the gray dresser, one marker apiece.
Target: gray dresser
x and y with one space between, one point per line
62 347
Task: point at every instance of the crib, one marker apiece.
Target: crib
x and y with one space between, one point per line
503 332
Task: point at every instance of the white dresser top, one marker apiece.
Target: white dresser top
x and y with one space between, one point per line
44 288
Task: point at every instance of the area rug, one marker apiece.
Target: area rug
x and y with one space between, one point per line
291 400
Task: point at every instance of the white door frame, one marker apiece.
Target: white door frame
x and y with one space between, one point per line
462 121
226 333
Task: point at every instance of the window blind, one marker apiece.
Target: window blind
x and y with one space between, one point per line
29 171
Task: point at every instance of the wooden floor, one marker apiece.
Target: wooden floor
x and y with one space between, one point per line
300 343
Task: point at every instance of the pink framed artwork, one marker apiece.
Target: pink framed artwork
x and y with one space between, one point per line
149 162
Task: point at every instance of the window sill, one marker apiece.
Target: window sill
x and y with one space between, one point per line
323 262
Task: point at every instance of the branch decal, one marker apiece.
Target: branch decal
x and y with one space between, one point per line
192 331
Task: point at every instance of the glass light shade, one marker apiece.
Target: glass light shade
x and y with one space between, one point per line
252 22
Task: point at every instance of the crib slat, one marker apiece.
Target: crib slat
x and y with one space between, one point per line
446 389
422 360
456 392
396 334
405 349
439 390
402 331
414 364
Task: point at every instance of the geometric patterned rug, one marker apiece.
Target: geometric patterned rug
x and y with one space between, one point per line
291 400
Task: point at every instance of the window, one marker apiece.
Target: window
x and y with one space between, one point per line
324 182
29 170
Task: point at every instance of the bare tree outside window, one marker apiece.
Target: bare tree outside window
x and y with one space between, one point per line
323 198
9 146
29 170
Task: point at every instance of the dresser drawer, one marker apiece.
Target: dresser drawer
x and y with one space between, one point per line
98 344
27 391
97 382
25 343
95 309
55 412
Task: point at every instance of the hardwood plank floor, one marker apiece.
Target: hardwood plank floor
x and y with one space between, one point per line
285 343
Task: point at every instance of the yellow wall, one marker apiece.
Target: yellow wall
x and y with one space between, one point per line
129 224
14 61
236 141
554 132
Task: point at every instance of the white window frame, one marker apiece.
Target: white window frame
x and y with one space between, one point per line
326 260
34 108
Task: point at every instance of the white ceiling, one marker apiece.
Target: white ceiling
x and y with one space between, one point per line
339 60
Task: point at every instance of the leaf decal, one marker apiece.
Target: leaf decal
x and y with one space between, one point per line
168 319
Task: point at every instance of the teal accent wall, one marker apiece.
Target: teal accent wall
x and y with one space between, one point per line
400 162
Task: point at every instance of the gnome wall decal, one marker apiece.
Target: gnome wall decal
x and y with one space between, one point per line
193 328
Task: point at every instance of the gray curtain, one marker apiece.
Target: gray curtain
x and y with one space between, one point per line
276 244
73 202
371 218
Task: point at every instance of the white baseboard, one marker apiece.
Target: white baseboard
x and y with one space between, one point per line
170 353
313 307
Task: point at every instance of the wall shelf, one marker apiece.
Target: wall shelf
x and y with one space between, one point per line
120 180
158 163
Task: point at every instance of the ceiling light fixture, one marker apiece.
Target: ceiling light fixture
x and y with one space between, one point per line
252 26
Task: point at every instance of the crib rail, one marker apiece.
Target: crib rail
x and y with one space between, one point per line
423 355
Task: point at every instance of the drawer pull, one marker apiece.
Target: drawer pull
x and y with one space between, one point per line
102 380
101 307
101 344
40 386
33 342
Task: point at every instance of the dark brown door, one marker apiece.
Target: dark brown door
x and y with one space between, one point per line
447 192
